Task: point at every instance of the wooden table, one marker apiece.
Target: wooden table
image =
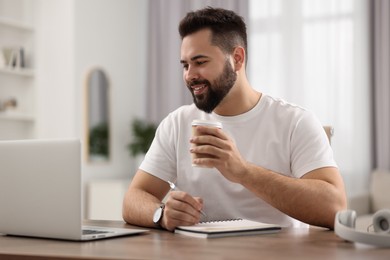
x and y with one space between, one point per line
313 243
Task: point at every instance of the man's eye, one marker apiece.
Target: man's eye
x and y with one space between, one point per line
200 62
185 66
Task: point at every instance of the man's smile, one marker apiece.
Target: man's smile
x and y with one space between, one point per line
198 89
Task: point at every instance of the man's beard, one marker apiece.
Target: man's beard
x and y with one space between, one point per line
216 92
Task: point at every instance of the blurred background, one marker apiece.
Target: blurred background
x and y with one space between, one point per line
108 71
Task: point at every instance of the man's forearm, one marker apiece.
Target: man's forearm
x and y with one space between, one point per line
309 199
138 207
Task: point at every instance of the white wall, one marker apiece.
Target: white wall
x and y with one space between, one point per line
112 35
56 104
74 36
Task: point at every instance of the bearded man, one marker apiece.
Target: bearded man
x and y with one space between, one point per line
271 161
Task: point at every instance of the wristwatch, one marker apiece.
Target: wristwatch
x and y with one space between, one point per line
158 215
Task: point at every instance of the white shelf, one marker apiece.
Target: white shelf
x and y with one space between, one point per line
17 31
17 71
16 116
15 24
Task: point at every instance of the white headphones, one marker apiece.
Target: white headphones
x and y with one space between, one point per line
345 228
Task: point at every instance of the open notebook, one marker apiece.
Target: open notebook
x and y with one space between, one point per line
235 227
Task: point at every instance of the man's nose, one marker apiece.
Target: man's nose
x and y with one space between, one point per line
191 74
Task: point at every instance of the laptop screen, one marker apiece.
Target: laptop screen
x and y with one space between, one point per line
41 188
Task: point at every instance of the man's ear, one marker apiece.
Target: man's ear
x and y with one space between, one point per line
239 58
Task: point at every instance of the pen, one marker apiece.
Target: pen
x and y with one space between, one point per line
175 188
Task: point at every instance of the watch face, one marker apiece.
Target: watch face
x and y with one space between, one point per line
157 215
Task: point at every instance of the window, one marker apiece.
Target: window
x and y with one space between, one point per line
315 53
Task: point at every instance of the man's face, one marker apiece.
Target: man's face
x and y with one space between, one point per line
207 71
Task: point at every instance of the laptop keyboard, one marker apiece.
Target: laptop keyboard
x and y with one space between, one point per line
93 232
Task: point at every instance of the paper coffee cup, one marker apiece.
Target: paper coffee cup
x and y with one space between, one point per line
207 123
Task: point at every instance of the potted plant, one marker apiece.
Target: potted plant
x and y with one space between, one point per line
142 137
99 141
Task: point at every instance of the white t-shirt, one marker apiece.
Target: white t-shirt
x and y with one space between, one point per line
276 135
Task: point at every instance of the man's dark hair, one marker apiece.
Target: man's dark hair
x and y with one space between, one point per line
228 29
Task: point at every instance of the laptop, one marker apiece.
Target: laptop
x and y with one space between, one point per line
41 191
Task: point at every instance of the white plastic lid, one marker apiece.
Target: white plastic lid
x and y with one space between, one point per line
207 123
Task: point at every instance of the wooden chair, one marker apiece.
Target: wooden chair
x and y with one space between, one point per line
329 132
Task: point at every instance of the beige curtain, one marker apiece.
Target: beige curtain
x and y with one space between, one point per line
380 18
165 90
